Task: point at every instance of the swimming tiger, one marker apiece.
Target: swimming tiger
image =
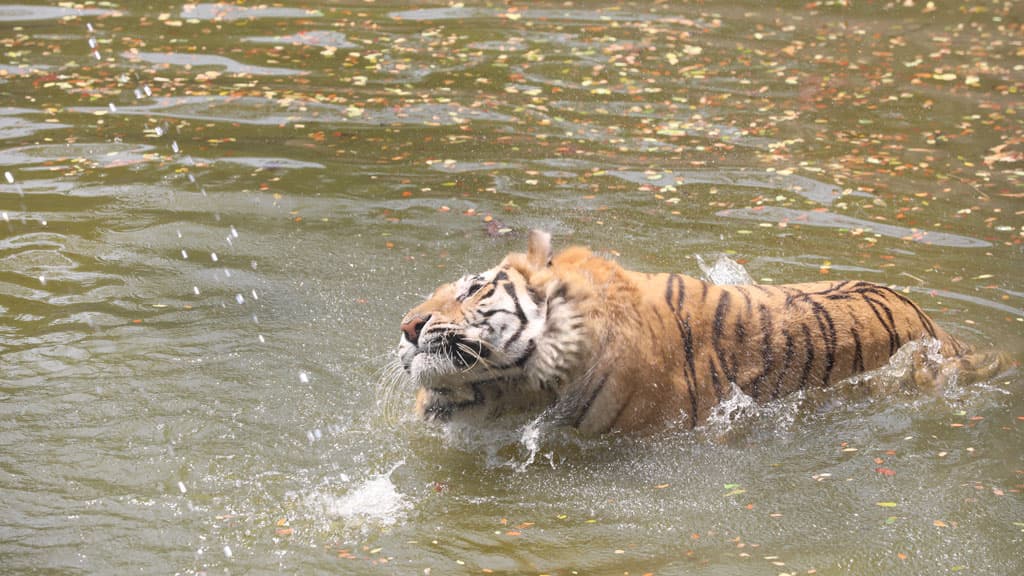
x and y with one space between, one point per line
597 347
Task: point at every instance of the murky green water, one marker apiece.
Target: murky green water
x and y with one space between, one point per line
214 216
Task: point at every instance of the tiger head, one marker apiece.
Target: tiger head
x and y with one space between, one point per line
494 342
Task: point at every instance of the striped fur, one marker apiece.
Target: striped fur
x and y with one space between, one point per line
602 348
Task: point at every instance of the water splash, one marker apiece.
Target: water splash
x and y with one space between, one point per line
531 442
738 406
725 271
376 502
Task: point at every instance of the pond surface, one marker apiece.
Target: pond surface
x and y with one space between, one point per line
215 215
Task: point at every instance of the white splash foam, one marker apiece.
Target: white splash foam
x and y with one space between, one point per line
738 405
725 271
376 501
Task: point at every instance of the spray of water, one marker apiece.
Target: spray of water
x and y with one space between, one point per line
142 91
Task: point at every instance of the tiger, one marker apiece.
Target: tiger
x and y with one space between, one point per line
590 345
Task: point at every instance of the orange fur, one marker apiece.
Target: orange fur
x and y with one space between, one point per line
626 350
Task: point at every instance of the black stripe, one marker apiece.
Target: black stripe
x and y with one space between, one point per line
716 382
829 335
809 363
582 414
675 299
858 356
767 352
892 335
717 333
787 361
885 292
523 321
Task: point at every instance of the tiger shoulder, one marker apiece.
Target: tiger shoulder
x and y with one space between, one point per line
597 347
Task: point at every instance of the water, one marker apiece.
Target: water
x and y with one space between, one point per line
214 217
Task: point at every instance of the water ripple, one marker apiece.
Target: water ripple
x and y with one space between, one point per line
195 60
830 220
814 190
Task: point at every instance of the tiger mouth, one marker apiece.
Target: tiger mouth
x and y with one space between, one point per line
445 357
463 352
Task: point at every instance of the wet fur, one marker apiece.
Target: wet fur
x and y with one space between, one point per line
612 349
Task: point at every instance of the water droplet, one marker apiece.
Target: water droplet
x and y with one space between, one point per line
213 256
42 280
227 273
96 53
174 146
9 177
88 26
184 254
138 94
145 88
196 290
227 551
178 232
92 43
262 339
254 295
5 217
234 232
191 178
43 222
112 107
239 298
303 377
181 486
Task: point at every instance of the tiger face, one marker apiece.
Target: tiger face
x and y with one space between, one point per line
481 327
492 342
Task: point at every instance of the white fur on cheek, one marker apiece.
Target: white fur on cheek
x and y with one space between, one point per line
562 345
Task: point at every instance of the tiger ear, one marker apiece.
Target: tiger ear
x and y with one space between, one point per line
538 251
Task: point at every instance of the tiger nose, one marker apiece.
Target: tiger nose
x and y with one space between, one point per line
413 326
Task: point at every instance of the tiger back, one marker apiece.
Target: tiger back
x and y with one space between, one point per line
597 347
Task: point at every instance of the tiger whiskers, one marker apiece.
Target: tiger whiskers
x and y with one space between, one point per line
475 354
391 399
